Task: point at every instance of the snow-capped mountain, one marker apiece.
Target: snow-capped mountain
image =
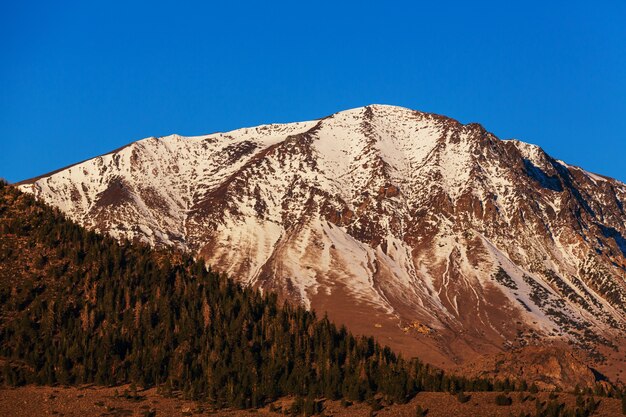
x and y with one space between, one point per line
438 237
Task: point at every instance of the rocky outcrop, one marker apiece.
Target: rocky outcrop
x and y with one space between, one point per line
548 367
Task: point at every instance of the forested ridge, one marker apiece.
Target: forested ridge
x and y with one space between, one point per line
78 307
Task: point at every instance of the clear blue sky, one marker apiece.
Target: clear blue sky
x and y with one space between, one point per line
78 79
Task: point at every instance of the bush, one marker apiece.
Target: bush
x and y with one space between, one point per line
462 397
376 405
297 406
312 406
420 412
502 399
275 408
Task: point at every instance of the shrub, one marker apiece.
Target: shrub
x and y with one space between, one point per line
502 399
420 412
462 397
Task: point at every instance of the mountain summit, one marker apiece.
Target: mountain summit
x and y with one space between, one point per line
435 236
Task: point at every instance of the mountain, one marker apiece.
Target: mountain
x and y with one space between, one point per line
437 237
91 317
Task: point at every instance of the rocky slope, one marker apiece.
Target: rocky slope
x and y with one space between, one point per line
547 367
435 236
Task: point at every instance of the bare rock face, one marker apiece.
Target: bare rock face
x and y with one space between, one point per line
441 239
548 367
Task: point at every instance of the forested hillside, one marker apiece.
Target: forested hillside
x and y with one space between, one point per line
78 307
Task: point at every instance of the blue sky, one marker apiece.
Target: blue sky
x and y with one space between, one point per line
78 79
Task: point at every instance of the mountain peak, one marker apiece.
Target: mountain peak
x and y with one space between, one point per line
378 107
